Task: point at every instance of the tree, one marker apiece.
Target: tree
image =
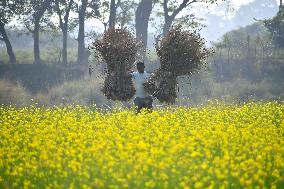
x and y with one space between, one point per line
171 9
81 33
276 28
125 13
257 44
142 16
83 14
63 9
8 10
248 45
104 10
112 13
35 10
228 45
116 12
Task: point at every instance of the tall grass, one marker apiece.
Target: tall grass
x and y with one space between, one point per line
48 55
86 91
13 93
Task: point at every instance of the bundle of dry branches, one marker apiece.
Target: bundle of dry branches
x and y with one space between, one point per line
162 86
181 53
118 48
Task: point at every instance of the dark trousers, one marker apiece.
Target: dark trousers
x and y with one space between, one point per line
143 103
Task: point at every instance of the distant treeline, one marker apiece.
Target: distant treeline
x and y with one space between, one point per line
66 16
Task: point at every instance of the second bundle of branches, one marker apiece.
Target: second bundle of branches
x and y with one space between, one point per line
181 53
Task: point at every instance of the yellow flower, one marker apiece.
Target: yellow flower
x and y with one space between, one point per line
198 185
216 145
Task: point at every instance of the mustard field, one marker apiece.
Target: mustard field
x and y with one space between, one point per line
213 146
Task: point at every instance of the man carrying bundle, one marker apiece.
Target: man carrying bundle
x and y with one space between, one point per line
142 99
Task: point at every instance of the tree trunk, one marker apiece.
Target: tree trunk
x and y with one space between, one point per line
112 14
142 16
64 48
228 60
123 19
37 17
168 24
170 18
37 59
64 29
81 59
12 57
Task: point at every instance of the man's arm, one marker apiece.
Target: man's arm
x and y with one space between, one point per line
129 74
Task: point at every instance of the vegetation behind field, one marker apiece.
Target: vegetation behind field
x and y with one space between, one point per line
246 65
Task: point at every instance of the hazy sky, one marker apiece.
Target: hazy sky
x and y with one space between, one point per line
219 10
225 14
238 3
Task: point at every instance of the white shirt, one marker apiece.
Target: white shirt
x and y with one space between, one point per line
139 79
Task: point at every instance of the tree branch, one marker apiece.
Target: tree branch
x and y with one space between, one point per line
153 5
42 8
166 10
68 11
132 4
117 4
28 28
59 14
184 4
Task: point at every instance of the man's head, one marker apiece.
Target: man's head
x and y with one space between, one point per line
140 67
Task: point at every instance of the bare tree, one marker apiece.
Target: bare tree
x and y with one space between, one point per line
83 14
63 8
104 10
5 38
37 8
112 13
228 45
248 45
8 10
125 13
172 9
142 16
81 33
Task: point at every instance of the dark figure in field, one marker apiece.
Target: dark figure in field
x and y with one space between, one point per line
142 99
90 70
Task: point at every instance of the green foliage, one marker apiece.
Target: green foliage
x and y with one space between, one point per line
253 42
35 11
276 28
9 9
189 22
126 13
